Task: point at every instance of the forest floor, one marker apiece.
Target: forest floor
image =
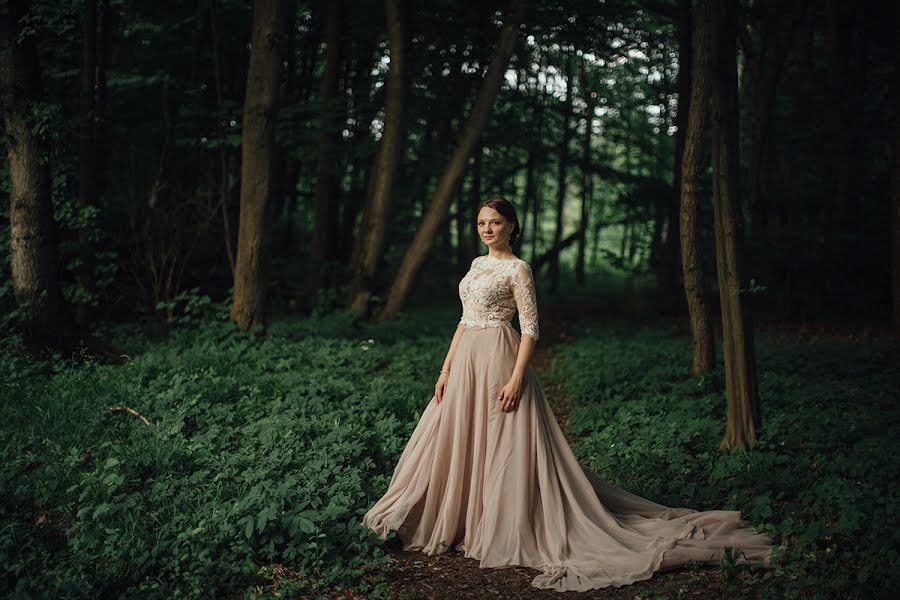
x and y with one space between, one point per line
415 575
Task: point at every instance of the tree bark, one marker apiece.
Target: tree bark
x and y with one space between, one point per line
359 173
563 157
895 201
223 151
257 160
87 162
690 168
378 206
838 30
446 186
668 272
765 64
33 253
587 188
325 228
473 201
744 414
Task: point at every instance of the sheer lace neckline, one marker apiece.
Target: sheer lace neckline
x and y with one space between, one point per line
488 256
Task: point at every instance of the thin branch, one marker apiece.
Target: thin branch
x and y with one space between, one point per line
130 411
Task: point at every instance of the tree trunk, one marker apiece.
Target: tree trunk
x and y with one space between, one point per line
33 252
377 215
223 151
257 149
325 227
668 271
587 188
536 192
838 30
744 414
446 186
895 204
87 164
563 154
293 166
691 166
462 228
359 173
776 30
473 201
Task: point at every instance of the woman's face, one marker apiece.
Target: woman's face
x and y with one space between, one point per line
493 228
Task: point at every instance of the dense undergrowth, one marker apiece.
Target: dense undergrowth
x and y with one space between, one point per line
260 460
821 479
264 452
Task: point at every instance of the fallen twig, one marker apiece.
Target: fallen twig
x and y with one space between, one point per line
130 411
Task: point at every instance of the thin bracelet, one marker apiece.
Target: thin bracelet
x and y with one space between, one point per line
443 371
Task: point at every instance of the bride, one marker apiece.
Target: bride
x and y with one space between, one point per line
489 472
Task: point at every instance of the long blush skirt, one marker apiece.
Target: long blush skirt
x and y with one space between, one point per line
506 489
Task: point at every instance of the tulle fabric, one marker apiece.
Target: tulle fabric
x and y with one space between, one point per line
506 489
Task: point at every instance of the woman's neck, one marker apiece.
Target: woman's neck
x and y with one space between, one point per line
501 253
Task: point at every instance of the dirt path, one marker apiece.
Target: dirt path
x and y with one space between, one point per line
414 575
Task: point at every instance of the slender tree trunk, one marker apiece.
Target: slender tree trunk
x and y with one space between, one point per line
668 272
33 252
462 222
377 216
87 164
536 193
104 55
270 20
446 186
895 207
323 238
744 414
223 151
563 154
838 30
691 165
777 30
473 201
293 166
587 188
359 173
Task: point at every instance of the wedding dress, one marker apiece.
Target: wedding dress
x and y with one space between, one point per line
506 489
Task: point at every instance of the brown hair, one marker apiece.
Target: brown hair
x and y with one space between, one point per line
505 208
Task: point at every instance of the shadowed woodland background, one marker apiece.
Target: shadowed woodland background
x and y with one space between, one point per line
722 176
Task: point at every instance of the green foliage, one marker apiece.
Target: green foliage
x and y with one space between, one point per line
262 456
820 479
190 307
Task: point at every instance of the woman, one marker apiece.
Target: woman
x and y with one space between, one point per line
489 472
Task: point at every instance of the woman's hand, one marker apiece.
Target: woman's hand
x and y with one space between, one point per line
511 394
441 386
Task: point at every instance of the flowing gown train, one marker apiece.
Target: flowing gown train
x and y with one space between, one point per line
506 489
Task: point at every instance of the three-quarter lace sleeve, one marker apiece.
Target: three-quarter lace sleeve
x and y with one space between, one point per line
526 299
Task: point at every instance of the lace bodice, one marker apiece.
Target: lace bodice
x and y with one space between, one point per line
494 289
